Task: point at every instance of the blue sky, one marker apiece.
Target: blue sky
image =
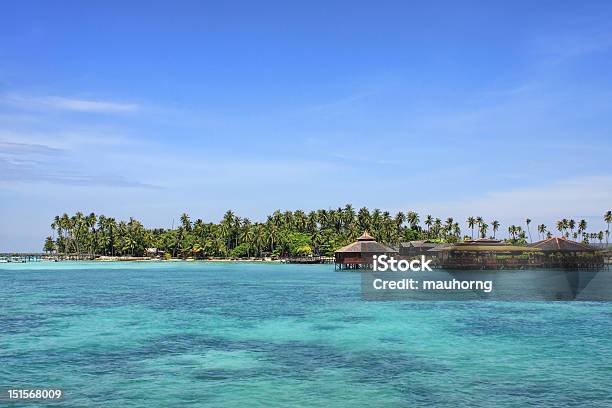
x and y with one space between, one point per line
450 108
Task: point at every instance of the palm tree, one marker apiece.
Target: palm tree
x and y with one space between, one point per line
65 224
77 222
528 221
542 230
413 219
429 222
448 226
129 243
495 225
112 228
512 230
364 221
49 246
300 220
437 227
90 222
565 223
56 225
471 222
289 220
348 215
259 237
483 229
479 222
560 226
399 220
247 237
608 220
571 224
386 227
376 223
582 226
186 222
457 230
272 234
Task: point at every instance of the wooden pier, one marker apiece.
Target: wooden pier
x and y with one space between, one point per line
21 257
309 260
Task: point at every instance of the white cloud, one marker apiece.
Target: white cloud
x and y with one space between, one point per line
69 104
72 139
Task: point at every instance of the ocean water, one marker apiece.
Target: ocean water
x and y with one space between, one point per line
273 335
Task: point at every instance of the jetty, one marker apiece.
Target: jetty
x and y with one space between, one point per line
308 260
20 257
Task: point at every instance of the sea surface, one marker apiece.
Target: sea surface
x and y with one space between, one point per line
187 334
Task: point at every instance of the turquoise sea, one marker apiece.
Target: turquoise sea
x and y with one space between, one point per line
273 335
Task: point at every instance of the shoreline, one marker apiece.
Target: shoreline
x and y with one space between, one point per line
27 258
144 259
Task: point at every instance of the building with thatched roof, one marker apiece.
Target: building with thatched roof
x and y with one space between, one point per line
483 254
413 249
561 245
496 254
360 254
560 252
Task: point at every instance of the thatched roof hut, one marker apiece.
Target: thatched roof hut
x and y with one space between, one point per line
360 253
416 248
563 253
482 253
560 244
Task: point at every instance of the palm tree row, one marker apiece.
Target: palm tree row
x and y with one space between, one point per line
567 226
282 234
288 233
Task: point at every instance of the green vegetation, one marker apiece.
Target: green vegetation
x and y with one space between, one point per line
289 233
283 234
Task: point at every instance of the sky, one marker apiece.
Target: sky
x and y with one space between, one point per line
150 109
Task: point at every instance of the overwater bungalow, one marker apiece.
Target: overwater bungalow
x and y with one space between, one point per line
360 254
559 252
495 254
483 254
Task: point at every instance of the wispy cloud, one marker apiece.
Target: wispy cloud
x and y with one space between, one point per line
15 170
52 141
25 162
13 148
578 44
69 104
